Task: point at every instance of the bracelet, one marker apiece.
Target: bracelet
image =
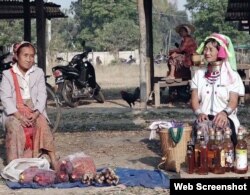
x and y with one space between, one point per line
225 112
197 112
228 110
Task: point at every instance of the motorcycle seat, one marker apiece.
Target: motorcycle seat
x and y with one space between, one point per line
66 68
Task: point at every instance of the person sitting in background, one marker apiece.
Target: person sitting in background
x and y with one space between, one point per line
180 59
23 95
216 88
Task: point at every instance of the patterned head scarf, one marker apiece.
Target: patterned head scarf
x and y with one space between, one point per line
226 50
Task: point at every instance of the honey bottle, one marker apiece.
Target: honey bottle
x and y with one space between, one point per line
211 150
197 151
203 168
219 167
190 158
229 150
241 166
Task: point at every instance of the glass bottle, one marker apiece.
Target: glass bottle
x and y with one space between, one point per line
190 158
203 168
197 151
229 150
219 167
211 150
241 166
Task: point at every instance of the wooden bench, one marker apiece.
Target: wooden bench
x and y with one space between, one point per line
162 82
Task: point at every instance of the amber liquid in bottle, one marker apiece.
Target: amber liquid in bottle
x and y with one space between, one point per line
229 152
211 150
219 167
241 166
203 169
197 151
190 158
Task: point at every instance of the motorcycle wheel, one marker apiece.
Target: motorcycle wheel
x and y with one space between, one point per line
67 91
99 97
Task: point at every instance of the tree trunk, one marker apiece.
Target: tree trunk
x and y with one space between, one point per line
143 59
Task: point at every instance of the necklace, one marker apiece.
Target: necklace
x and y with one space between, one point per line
213 71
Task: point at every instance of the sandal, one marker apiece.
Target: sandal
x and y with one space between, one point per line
170 77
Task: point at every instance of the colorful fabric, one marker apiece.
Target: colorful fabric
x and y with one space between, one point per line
25 111
128 177
188 47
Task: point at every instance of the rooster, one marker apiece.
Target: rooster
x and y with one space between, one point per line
130 98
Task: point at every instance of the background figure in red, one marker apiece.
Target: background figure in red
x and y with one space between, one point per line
180 58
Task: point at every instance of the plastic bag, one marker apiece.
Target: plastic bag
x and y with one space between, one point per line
15 167
77 165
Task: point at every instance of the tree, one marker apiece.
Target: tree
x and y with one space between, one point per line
11 31
209 17
91 17
114 39
165 18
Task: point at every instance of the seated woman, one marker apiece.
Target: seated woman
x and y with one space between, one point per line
216 88
23 96
180 58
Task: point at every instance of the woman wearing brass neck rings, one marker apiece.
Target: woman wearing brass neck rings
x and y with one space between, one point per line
216 88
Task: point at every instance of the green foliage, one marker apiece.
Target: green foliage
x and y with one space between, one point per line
209 17
11 32
114 39
165 19
94 17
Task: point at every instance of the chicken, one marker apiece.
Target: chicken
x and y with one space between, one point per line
130 98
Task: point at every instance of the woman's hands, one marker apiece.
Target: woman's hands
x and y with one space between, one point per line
221 120
27 121
202 117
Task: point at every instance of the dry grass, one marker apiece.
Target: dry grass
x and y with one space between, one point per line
123 76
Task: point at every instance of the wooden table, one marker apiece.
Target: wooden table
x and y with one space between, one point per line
246 69
162 82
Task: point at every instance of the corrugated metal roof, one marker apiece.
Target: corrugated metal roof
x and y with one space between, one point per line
13 9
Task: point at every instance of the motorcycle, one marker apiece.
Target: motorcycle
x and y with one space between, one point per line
77 80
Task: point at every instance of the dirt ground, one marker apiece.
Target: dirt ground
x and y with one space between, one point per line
115 135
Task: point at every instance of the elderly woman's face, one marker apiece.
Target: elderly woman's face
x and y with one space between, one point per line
210 52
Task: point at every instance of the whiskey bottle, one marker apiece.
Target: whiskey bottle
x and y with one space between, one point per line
203 168
229 150
190 158
197 151
241 166
211 150
219 167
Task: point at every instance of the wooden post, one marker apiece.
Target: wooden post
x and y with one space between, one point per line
142 53
40 31
27 20
149 46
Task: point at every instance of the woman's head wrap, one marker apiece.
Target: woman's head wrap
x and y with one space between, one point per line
21 44
226 49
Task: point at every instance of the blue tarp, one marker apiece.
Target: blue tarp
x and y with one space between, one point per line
128 177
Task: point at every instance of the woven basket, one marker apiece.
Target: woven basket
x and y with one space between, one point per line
173 155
